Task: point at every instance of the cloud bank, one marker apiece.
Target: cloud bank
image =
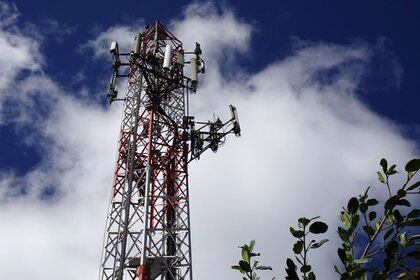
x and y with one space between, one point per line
308 143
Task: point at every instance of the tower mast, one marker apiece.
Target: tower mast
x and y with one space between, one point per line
148 232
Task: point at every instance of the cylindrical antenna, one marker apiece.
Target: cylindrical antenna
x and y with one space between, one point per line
180 58
167 58
137 43
194 70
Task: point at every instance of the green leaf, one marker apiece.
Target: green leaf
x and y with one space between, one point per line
245 266
391 249
384 165
415 185
365 195
372 215
392 170
358 273
401 193
311 276
381 177
355 221
390 218
342 255
237 267
372 202
345 219
388 233
344 234
303 222
404 202
398 216
296 233
353 205
319 244
363 207
251 245
410 175
411 223
369 230
389 173
362 260
290 264
413 213
318 227
297 247
413 165
391 202
263 267
291 275
245 253
305 268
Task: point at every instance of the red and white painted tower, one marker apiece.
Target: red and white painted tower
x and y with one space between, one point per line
148 229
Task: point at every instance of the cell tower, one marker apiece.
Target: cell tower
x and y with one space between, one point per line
148 228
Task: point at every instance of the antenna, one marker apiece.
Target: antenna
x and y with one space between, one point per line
235 120
137 44
167 58
113 49
194 70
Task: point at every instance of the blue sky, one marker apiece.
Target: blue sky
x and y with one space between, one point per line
390 25
276 22
324 89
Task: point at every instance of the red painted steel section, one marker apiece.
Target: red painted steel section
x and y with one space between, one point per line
143 272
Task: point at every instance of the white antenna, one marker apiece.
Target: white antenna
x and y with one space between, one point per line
180 59
137 43
113 49
194 70
167 58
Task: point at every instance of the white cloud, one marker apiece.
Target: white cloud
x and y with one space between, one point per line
18 51
52 29
219 31
123 34
307 144
8 14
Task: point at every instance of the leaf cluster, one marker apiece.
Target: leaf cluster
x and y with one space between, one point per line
306 227
247 266
387 233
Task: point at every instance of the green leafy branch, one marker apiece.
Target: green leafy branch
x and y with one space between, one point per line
247 266
302 247
387 235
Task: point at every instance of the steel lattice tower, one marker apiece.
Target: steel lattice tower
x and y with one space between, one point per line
148 228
